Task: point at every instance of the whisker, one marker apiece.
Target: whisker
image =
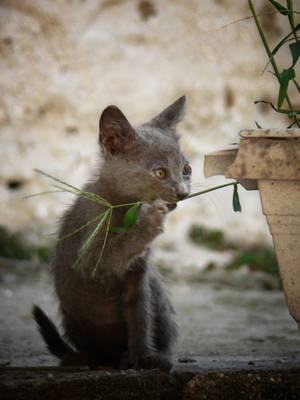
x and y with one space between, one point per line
198 186
215 203
210 200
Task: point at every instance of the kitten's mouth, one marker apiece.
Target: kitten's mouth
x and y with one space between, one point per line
171 206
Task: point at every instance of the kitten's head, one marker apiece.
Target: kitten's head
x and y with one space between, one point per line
145 163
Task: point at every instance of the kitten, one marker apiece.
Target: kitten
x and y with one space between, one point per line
122 317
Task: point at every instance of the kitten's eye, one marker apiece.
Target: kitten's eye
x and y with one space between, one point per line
187 170
160 173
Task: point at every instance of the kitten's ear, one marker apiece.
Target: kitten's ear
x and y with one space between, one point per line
171 116
115 132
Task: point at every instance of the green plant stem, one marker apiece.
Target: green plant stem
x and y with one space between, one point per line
290 6
81 227
276 109
297 85
75 190
77 193
138 203
39 171
270 55
43 193
103 245
209 190
105 216
293 25
87 244
263 38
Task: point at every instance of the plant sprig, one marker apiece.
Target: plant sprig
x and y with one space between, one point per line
104 218
287 75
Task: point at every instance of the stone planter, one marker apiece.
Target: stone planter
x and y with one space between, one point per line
269 160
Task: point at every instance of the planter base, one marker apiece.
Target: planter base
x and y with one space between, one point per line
281 205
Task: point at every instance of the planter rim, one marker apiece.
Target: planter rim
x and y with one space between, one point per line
270 133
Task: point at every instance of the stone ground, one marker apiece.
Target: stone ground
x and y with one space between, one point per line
215 319
241 334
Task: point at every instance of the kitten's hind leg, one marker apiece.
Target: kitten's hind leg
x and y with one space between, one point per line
165 329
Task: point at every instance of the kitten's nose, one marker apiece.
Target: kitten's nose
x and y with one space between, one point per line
182 195
181 190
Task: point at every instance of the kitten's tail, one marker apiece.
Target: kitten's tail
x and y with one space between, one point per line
56 345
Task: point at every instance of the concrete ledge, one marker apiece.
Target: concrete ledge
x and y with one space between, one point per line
205 378
243 386
90 385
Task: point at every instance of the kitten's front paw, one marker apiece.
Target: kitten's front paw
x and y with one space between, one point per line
152 216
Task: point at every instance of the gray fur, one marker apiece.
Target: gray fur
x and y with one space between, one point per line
122 317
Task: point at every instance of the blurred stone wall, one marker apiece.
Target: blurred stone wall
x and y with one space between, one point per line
63 61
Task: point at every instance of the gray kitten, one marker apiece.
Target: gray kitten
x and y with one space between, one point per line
122 317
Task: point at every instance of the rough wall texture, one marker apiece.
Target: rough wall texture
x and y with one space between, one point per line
63 61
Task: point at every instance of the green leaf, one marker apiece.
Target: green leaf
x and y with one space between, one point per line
295 50
284 78
236 200
282 42
279 7
257 125
117 229
131 216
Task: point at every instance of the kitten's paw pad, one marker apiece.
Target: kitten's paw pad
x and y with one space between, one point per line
160 207
153 216
154 362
